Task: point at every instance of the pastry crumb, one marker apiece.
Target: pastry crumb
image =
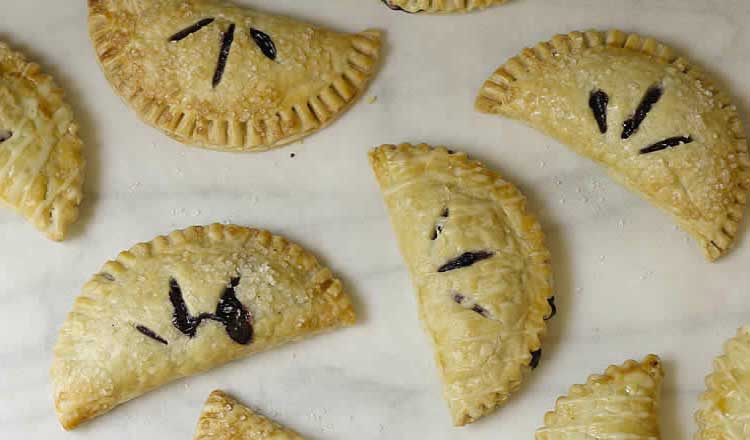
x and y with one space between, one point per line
372 99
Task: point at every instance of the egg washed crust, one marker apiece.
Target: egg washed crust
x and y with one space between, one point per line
712 215
41 164
102 359
260 103
440 6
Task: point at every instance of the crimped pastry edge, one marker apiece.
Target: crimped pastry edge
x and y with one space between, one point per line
701 413
496 92
214 233
505 193
650 365
72 191
286 126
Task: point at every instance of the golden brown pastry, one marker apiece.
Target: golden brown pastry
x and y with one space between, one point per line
440 6
212 74
621 404
724 412
41 158
224 418
657 123
183 304
480 267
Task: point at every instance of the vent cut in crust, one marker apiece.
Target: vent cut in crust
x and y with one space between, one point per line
41 157
654 120
212 74
623 403
183 304
480 268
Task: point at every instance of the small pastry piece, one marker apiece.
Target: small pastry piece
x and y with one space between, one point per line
183 304
440 6
41 158
212 74
224 418
621 404
480 267
724 412
655 121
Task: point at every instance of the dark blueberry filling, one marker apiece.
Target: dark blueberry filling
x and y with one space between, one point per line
652 96
226 46
553 307
229 312
536 356
465 260
476 308
394 7
151 334
438 229
234 315
666 143
598 102
264 42
5 135
181 35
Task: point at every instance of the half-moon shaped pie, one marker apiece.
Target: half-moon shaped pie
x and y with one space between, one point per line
724 412
223 418
183 304
440 6
41 157
212 74
655 121
623 403
480 267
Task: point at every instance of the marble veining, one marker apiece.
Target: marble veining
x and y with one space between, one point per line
628 282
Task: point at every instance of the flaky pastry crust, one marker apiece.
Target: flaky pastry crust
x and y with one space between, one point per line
440 6
183 304
659 124
219 76
480 267
623 403
724 412
223 418
41 157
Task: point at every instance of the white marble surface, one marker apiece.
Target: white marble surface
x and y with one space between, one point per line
628 282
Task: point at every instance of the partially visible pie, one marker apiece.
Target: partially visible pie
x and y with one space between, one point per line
183 304
440 6
659 124
623 403
480 267
41 157
724 412
223 418
216 75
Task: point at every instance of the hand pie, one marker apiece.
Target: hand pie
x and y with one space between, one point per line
724 409
656 122
440 6
621 404
224 418
480 268
183 304
41 159
215 75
